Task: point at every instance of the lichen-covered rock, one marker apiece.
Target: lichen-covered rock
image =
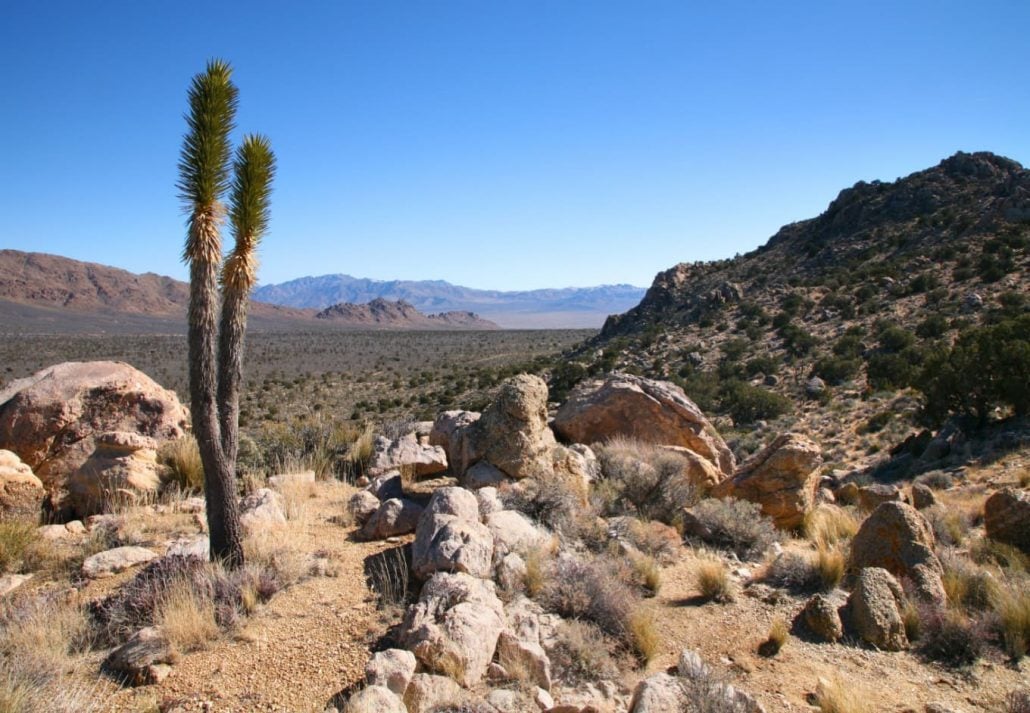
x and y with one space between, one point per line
512 433
645 409
782 478
1007 518
898 539
876 605
21 492
51 419
454 626
122 470
394 517
392 668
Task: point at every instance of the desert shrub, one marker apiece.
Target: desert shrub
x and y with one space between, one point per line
181 459
645 480
950 526
646 572
937 480
987 551
794 571
932 327
16 539
836 370
582 653
186 615
557 503
796 340
592 589
966 585
733 524
950 637
987 367
713 581
1012 611
762 365
746 403
887 370
653 538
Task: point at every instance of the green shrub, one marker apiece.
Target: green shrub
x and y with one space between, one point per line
746 403
836 370
987 367
932 327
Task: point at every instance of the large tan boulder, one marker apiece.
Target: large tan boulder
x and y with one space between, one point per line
52 418
454 626
122 469
450 538
645 409
21 492
406 451
396 516
782 478
512 434
451 431
895 537
1007 518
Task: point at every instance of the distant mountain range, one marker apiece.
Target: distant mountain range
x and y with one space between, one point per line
42 293
567 307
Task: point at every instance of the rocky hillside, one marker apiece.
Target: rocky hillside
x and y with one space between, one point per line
570 307
846 307
383 314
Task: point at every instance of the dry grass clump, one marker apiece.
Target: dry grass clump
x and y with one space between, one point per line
1012 610
732 524
16 540
186 615
643 634
828 525
654 538
950 526
645 480
808 572
967 585
834 696
582 653
277 552
778 635
537 562
181 459
388 574
1011 559
297 496
646 572
713 581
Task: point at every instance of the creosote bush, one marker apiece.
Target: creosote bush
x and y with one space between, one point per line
735 525
950 637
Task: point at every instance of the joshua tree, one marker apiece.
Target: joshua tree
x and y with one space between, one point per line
215 363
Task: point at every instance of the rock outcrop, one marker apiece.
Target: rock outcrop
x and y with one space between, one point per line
21 492
450 537
897 538
52 418
455 625
512 434
406 451
782 478
122 470
1007 518
119 559
451 431
645 409
393 517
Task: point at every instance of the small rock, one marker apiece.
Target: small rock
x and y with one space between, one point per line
875 605
392 668
1007 518
142 660
823 619
375 698
543 699
361 506
10 582
922 496
426 692
262 508
482 475
871 496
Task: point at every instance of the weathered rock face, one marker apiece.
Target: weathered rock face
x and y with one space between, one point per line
876 603
122 469
406 451
645 409
362 505
782 478
427 693
392 668
108 562
455 625
898 539
870 496
514 532
450 537
451 431
21 492
512 434
375 698
660 693
922 496
1007 518
52 418
701 472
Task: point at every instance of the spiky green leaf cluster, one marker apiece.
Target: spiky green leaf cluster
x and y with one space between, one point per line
206 149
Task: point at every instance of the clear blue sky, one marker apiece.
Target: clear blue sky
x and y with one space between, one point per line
508 145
